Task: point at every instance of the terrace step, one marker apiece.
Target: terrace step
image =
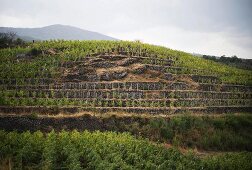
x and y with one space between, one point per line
133 103
145 60
179 70
125 94
107 85
71 110
134 85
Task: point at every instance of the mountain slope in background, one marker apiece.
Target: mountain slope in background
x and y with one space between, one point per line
56 32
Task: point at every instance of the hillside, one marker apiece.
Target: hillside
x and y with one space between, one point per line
170 98
56 32
175 81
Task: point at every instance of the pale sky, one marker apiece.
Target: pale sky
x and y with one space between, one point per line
214 27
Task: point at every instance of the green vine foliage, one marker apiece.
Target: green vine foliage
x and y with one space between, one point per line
98 150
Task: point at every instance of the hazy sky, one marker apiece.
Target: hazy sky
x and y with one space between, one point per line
215 27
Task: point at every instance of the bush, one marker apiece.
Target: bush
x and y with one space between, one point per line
35 52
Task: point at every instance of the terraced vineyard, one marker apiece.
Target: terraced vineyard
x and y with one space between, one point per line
132 79
98 77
